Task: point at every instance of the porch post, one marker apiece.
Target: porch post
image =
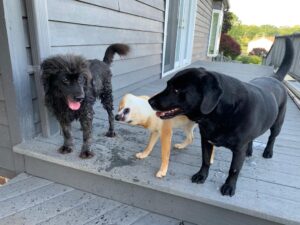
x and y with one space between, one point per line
37 14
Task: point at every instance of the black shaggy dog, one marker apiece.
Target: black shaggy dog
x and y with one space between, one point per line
229 112
72 85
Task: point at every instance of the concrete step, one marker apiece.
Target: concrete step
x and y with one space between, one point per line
35 201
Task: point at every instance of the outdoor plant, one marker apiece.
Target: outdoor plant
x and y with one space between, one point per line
229 46
258 52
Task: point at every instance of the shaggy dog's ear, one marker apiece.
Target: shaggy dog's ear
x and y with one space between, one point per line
46 72
212 93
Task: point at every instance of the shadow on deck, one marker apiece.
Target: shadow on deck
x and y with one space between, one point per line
268 190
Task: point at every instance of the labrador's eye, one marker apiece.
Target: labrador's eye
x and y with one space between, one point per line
126 111
176 91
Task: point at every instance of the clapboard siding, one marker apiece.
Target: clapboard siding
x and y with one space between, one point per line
90 26
159 4
140 9
96 51
202 27
81 13
136 76
66 34
111 4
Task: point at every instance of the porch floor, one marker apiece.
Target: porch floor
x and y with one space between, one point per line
267 189
31 200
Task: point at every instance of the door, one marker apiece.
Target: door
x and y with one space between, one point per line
178 41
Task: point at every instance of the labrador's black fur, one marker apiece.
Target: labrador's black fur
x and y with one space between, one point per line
71 81
229 112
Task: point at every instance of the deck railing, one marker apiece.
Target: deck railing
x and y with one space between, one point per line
276 53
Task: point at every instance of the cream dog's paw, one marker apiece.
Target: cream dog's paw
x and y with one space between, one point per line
161 174
180 146
141 155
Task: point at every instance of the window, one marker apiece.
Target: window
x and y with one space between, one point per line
215 33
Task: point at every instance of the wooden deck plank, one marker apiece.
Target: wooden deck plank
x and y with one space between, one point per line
29 199
122 215
83 213
48 209
11 190
126 168
153 219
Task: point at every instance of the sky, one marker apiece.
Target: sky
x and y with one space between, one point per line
273 12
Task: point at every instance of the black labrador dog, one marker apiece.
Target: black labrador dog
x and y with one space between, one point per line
71 85
229 112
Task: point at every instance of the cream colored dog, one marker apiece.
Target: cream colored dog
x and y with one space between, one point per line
135 110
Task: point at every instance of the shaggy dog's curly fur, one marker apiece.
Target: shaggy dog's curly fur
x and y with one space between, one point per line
72 85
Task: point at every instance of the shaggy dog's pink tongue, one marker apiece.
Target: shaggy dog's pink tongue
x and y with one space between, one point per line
73 104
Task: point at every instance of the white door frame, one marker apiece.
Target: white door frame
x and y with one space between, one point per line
189 46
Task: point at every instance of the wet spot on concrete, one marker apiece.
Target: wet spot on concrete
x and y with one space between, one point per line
117 160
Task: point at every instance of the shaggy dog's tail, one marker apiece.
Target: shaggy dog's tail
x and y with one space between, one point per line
121 49
287 60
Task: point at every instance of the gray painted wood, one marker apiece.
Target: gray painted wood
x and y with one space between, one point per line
202 29
21 186
128 79
3 114
5 139
80 13
40 45
159 4
16 86
97 51
1 88
6 158
83 213
68 206
157 201
48 209
30 199
123 215
140 9
267 190
63 34
112 4
275 55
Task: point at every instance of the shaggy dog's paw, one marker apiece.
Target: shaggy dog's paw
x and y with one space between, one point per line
228 189
267 154
110 134
141 155
180 146
161 174
199 177
86 154
65 149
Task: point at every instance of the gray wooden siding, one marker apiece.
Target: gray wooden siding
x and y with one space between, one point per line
6 157
202 27
36 116
90 26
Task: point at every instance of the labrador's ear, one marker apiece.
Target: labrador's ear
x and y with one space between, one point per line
212 93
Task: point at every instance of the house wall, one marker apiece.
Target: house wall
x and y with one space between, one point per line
36 115
202 28
6 157
90 26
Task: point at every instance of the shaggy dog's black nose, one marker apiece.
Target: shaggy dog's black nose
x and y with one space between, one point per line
79 98
117 117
